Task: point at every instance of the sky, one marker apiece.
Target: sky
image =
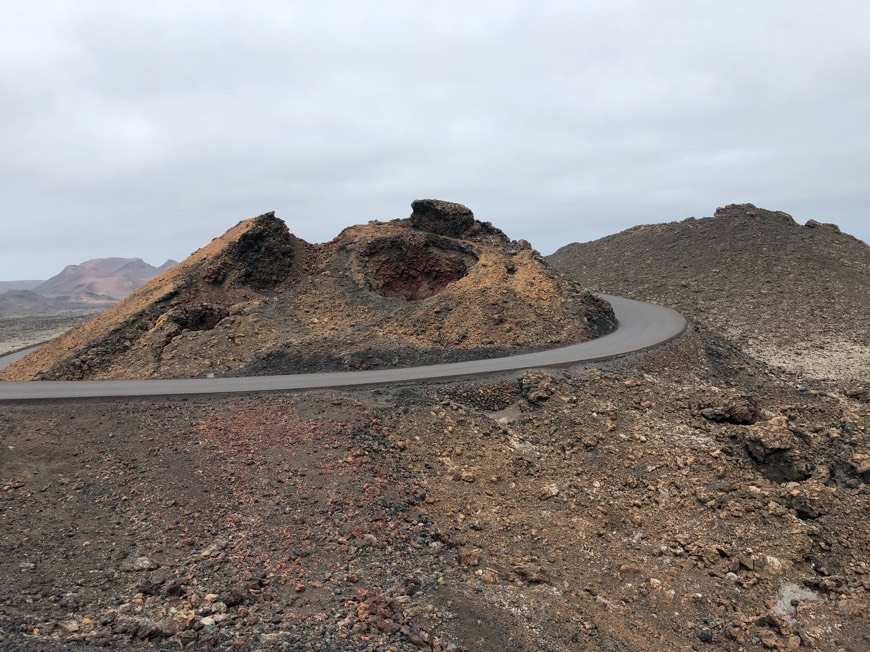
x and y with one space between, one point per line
145 129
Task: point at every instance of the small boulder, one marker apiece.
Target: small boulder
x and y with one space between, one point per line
731 409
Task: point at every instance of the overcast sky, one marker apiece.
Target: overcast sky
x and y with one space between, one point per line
148 128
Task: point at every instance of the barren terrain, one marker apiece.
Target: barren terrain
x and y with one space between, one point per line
21 331
692 497
679 499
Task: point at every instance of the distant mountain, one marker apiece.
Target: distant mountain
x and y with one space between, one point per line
101 280
22 301
19 285
96 283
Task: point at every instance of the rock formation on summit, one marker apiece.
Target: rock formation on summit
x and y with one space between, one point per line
442 218
437 286
795 296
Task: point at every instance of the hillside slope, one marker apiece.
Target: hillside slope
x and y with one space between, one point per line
795 296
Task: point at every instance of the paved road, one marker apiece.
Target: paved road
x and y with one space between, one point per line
641 325
7 360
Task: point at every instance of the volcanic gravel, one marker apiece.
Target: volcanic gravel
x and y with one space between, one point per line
688 498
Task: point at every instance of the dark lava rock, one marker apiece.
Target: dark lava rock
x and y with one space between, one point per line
261 257
441 217
750 210
740 411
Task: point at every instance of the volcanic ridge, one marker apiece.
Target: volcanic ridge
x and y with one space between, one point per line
438 286
793 295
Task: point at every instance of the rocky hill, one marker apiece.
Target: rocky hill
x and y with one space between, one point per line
689 497
795 296
436 286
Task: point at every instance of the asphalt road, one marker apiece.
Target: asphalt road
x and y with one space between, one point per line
641 326
7 360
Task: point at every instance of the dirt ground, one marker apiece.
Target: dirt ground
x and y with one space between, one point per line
691 498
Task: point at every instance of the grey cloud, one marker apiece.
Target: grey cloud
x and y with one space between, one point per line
148 129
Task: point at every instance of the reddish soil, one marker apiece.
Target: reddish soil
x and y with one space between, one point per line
414 269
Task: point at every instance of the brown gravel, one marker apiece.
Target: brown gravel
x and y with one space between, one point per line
229 524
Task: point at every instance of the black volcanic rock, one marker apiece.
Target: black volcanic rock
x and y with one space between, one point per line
261 258
441 217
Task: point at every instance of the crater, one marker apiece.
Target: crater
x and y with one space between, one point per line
416 269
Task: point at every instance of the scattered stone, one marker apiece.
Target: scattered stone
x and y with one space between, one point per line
769 639
469 556
140 564
737 410
489 575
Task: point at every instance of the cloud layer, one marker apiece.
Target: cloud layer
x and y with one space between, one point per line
146 129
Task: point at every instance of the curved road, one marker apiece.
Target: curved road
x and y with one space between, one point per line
641 325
